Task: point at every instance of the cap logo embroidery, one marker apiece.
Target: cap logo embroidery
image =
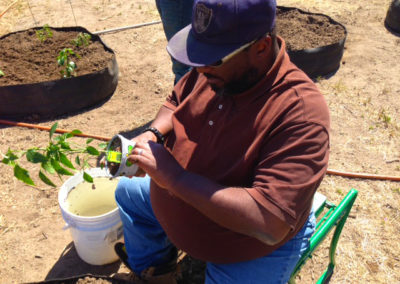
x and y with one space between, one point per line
202 18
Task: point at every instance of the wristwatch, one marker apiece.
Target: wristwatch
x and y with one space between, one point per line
160 137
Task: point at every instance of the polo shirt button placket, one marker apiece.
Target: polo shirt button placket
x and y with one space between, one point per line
211 122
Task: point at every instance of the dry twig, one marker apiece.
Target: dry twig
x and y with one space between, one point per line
8 8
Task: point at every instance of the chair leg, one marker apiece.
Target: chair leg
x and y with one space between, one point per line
326 276
348 204
336 217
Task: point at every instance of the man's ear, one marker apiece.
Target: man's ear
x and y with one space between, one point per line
264 46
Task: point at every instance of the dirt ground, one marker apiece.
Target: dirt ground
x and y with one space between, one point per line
365 136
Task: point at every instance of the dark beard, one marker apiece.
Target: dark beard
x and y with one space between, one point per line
239 85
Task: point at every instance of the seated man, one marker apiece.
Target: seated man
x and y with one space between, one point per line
246 146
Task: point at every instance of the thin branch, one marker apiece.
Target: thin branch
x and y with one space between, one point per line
34 20
8 8
72 9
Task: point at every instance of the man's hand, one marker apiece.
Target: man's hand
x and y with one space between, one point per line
143 138
157 162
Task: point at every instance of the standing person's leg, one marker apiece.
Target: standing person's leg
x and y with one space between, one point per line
274 268
175 15
145 241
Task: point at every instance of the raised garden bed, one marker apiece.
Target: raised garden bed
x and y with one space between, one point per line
392 20
315 42
34 84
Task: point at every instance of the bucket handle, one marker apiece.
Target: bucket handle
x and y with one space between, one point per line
66 226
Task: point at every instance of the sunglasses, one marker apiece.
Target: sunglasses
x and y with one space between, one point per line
222 61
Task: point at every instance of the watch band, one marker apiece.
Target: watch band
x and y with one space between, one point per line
160 137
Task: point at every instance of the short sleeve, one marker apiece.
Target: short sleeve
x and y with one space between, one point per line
292 164
181 90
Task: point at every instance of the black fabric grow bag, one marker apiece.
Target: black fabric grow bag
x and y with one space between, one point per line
76 279
392 20
52 98
321 61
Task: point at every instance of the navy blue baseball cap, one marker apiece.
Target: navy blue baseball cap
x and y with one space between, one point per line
219 27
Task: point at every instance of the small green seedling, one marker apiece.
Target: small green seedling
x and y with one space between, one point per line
82 39
1 73
384 117
55 159
63 59
44 33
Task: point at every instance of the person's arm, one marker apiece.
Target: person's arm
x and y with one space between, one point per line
162 122
283 179
230 203
230 207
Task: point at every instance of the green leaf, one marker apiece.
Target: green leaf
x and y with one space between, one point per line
65 145
35 157
77 160
48 167
103 145
5 161
53 129
60 170
87 177
89 140
1 73
75 132
45 179
65 161
86 164
10 155
71 65
61 137
92 151
61 61
52 150
22 175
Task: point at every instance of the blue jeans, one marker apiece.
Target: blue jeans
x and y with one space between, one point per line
147 244
175 15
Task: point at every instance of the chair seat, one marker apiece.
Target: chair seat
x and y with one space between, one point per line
318 202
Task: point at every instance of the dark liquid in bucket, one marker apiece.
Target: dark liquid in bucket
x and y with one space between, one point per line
92 199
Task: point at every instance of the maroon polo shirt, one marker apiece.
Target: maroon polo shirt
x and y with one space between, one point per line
272 140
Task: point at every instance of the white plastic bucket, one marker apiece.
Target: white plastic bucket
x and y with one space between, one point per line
94 237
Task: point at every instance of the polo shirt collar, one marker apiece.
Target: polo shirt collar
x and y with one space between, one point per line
271 78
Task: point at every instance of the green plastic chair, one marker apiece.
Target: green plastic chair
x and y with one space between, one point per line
335 216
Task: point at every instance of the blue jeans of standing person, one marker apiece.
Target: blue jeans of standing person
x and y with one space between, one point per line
147 244
175 15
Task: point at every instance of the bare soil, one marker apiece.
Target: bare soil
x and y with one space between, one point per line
303 30
26 59
365 137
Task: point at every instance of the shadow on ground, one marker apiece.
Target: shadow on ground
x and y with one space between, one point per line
69 265
70 269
